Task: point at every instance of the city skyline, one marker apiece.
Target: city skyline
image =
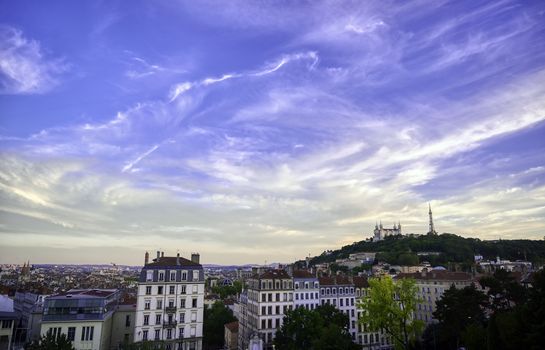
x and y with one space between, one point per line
252 132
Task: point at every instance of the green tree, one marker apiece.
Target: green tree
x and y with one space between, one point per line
324 328
50 342
504 291
390 306
215 319
462 319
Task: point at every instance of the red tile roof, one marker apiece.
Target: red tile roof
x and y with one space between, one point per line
360 282
302 274
171 261
233 326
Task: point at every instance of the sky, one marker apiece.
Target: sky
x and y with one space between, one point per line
265 131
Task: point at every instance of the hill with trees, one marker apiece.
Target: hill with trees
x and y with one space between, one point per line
447 248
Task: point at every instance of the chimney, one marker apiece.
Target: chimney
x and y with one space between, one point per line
178 259
195 257
146 258
162 254
158 255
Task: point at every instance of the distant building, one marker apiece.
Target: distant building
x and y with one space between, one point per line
380 232
231 336
123 323
306 290
170 302
507 265
431 286
25 304
84 315
7 322
339 292
267 298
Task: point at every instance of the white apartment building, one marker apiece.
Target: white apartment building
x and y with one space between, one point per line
306 290
339 292
170 302
431 286
84 315
267 298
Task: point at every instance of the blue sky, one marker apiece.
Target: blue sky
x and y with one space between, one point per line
253 131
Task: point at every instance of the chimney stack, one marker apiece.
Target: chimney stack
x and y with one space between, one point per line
146 258
178 259
158 255
162 254
195 257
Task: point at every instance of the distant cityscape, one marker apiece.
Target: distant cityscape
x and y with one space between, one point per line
106 307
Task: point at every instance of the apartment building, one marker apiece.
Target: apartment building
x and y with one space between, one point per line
268 297
339 291
84 315
431 286
170 302
306 290
7 322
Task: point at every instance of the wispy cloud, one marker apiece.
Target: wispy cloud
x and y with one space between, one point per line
24 69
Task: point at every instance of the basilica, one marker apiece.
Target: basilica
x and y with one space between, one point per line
380 232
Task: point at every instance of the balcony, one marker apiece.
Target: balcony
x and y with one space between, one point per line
171 324
170 309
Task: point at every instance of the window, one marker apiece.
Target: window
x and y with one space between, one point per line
195 289
263 297
146 320
194 316
171 290
87 333
173 275
127 320
147 304
145 334
181 334
158 319
184 275
6 323
296 285
193 331
171 303
159 289
263 324
159 304
182 317
148 290
195 275
263 310
277 310
183 289
169 333
182 303
71 333
149 275
157 334
161 276
54 331
194 302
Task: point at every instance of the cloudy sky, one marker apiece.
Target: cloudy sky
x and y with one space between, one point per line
255 131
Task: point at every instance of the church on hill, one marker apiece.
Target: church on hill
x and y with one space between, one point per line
381 232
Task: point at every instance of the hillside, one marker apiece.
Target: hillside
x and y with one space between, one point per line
403 250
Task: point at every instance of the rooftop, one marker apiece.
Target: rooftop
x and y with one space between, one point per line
172 261
85 293
273 274
331 281
302 274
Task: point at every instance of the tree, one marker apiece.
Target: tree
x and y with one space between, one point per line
390 306
503 290
51 342
324 328
215 319
462 318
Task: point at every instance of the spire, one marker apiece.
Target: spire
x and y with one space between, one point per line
432 227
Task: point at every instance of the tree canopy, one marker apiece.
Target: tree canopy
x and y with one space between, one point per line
322 328
215 319
389 306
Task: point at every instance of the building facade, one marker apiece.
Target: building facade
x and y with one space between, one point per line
431 286
339 291
381 232
84 315
269 295
170 302
306 290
